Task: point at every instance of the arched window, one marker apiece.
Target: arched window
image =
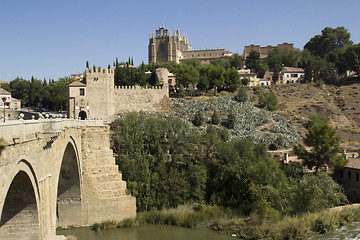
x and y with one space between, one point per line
349 175
357 176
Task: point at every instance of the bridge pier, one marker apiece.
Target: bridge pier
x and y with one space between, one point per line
58 173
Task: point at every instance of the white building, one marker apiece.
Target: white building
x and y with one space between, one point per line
8 102
291 75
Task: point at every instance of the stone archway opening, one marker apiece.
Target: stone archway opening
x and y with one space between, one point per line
69 206
19 218
82 115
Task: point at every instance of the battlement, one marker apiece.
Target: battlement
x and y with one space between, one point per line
139 87
99 70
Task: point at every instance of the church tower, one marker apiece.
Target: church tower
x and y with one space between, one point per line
164 47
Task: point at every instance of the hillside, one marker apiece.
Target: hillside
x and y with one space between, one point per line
338 103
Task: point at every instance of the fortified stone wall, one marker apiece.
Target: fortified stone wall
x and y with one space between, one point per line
136 98
100 99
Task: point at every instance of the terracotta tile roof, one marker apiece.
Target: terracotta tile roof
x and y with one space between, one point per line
77 84
353 163
292 69
4 92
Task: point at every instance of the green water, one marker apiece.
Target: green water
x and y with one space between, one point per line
350 232
146 232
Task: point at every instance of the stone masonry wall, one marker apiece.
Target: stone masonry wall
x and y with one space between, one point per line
104 193
141 99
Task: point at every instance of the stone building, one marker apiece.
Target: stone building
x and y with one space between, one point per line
10 102
264 51
349 178
292 75
164 47
97 97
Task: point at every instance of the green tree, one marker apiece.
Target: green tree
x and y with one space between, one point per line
87 65
251 60
329 40
20 89
232 80
55 94
128 76
261 68
215 118
186 75
236 61
242 95
195 62
325 146
315 192
231 120
268 100
198 119
351 59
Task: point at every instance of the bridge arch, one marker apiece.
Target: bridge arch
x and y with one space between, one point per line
19 218
69 198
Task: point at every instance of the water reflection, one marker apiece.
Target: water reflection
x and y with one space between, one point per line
146 232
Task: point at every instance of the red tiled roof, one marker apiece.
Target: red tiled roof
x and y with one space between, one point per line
4 92
353 163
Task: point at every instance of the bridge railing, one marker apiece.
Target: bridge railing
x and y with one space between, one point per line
25 130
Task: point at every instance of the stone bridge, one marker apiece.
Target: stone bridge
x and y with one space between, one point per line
58 172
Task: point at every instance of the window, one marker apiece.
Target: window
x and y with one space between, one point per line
82 92
357 176
294 75
162 47
349 175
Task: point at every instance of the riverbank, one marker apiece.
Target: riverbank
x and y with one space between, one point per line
229 222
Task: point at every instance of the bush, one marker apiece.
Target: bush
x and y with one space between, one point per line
215 118
231 119
319 83
198 119
268 100
242 95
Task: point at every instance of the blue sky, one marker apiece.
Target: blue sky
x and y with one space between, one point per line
54 38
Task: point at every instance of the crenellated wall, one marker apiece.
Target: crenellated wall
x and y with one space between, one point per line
98 98
136 98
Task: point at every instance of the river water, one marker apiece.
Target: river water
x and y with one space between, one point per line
146 232
350 232
164 232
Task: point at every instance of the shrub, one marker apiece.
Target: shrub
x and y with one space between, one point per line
215 118
319 83
268 100
231 119
198 119
242 95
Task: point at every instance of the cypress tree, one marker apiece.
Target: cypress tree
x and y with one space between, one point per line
215 119
198 119
242 95
87 64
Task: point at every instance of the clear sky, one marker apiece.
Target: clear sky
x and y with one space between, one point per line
54 38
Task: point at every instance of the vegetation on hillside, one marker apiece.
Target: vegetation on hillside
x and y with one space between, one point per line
325 143
168 163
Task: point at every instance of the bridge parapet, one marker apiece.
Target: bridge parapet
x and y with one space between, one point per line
18 131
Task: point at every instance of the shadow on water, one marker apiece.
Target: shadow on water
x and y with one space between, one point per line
146 232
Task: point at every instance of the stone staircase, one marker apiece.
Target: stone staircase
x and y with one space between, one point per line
101 178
